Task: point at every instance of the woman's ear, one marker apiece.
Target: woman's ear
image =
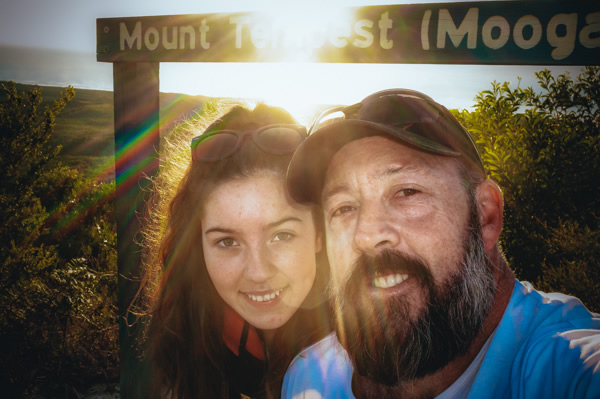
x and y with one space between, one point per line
490 205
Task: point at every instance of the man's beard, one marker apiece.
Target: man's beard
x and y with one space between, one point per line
384 343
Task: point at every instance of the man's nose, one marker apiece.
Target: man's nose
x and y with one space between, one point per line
260 265
375 230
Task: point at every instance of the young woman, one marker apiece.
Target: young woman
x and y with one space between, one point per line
235 280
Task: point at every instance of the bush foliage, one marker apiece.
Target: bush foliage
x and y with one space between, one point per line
543 149
58 329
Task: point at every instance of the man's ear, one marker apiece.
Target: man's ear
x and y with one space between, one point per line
490 205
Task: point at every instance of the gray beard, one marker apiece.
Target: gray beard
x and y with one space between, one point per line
385 345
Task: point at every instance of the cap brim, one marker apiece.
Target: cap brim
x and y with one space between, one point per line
308 166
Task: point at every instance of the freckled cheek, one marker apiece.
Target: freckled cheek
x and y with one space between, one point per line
299 263
224 273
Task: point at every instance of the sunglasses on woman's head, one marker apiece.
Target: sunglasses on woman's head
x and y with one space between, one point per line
276 139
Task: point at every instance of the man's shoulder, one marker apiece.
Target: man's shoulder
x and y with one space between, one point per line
320 370
542 311
563 360
548 322
547 345
326 353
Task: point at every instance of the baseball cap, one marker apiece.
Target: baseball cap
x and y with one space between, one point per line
408 116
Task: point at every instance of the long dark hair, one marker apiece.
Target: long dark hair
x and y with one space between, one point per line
184 335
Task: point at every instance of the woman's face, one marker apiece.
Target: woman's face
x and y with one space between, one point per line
259 247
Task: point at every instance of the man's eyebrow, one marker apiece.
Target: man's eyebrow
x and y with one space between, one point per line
333 191
388 172
394 170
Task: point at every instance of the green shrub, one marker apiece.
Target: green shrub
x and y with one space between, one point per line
543 149
58 329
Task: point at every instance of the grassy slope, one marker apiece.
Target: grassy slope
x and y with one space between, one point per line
85 128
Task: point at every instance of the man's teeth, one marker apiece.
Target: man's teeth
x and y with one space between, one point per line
388 281
264 298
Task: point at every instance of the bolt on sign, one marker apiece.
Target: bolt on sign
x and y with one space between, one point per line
497 32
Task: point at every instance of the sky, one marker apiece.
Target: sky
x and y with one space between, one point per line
70 25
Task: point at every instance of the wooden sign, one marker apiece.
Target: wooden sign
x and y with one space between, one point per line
497 32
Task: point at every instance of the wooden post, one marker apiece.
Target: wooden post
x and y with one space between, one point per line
137 139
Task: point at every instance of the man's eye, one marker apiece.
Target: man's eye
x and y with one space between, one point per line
283 236
407 192
227 242
342 210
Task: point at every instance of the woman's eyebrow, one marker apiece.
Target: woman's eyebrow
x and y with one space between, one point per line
219 230
269 226
284 220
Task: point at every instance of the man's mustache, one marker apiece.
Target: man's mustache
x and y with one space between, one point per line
389 261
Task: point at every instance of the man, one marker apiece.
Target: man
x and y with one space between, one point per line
425 303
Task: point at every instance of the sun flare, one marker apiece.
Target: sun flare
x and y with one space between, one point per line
298 32
290 37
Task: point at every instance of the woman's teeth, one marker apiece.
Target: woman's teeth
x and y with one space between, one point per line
264 298
388 281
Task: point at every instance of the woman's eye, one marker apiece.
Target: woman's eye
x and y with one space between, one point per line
283 236
227 242
342 210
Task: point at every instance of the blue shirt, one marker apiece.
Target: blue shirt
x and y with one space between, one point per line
545 346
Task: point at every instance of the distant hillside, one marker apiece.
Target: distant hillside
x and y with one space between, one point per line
30 65
85 128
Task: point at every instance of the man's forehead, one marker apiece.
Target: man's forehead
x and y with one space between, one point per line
378 159
381 157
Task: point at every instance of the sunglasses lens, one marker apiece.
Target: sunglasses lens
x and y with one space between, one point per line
215 147
279 140
398 110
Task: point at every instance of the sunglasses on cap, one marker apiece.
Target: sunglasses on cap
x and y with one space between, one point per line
407 116
275 139
410 116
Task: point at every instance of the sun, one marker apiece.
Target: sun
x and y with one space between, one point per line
298 32
290 37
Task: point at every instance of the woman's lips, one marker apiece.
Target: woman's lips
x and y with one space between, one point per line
264 297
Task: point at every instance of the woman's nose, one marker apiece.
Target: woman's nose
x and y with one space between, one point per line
260 265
